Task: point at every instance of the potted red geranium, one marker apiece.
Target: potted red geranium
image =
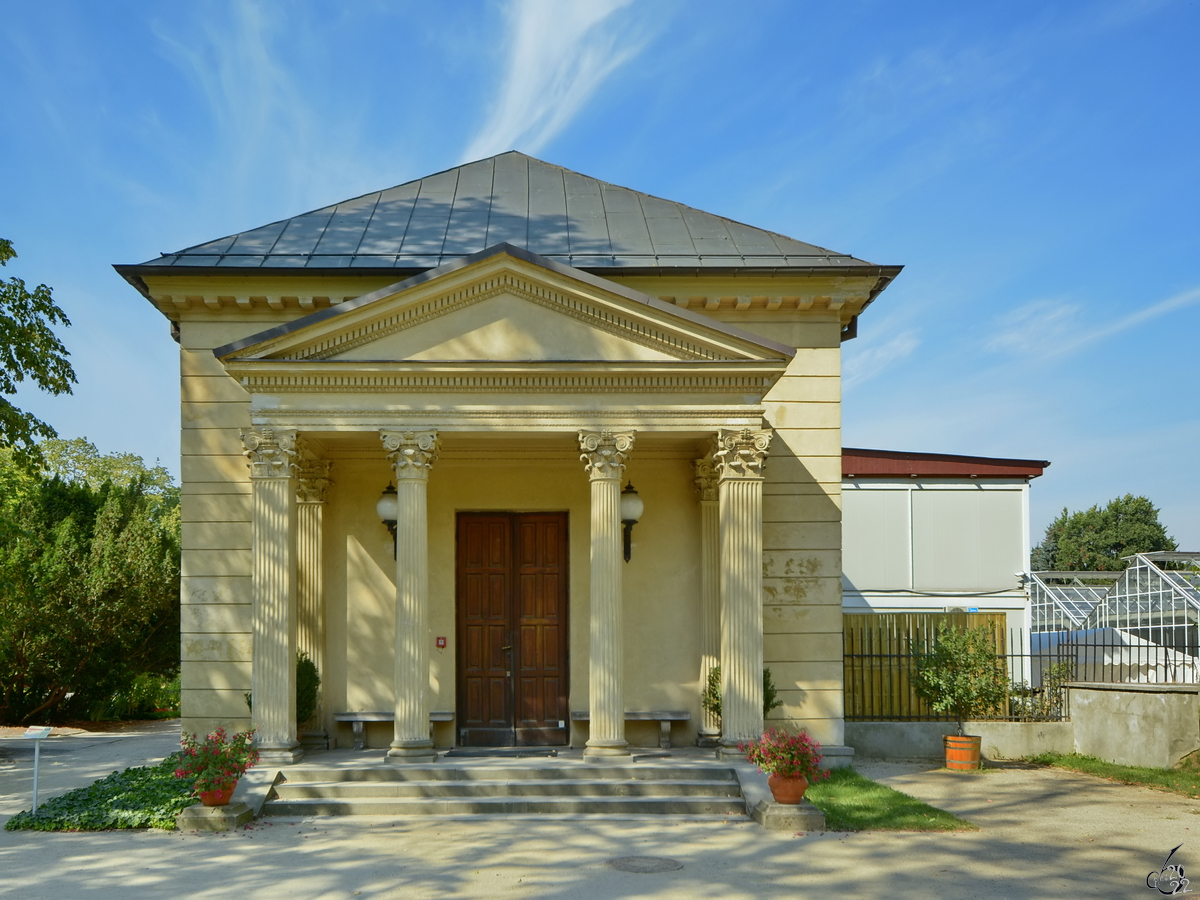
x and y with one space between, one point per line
215 763
792 762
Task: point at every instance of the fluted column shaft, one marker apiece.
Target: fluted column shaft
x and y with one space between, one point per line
707 484
312 484
740 457
412 454
604 457
271 456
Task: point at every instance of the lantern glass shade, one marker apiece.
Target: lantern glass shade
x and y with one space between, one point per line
388 506
631 505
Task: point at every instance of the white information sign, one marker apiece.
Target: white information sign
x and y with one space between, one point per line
37 732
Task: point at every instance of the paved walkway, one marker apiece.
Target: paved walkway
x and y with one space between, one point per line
1045 834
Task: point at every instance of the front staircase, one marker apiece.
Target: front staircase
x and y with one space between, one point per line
509 790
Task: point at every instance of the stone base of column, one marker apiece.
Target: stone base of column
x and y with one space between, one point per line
727 749
411 752
280 754
708 739
606 752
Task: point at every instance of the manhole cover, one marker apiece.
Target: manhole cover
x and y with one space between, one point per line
644 865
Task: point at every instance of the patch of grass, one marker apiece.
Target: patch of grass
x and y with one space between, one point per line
141 797
853 802
1184 780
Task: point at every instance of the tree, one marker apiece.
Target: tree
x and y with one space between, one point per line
78 460
1097 539
89 591
29 350
961 673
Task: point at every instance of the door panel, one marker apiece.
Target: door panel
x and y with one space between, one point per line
512 579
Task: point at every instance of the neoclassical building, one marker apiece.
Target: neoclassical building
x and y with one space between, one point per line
411 422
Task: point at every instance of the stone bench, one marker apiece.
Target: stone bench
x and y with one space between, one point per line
664 717
358 722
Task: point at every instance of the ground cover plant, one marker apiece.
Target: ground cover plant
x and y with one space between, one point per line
1183 780
139 797
853 802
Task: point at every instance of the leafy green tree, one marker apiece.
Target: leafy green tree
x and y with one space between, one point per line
89 592
78 460
961 672
1098 539
29 351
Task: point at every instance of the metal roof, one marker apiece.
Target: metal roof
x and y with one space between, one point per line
905 464
510 198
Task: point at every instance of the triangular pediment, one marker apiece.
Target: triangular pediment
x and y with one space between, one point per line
504 306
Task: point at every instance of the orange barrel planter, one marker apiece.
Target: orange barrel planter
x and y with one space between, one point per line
962 751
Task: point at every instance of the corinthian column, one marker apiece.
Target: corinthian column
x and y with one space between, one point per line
412 454
311 486
604 455
272 459
707 485
739 460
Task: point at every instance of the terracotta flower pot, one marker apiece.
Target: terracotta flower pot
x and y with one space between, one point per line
962 751
788 791
218 797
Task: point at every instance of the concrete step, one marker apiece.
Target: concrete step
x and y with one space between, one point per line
385 773
635 806
351 790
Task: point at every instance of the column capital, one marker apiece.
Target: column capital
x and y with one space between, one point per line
411 453
604 453
741 454
312 480
271 453
707 477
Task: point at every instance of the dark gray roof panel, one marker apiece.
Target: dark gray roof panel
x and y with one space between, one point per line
511 198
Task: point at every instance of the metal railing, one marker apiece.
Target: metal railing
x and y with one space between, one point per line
878 671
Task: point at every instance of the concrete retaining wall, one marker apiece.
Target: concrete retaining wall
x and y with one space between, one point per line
1001 740
1135 724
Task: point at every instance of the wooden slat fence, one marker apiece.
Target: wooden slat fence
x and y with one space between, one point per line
877 661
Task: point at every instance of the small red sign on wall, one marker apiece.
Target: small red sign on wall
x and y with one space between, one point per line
441 643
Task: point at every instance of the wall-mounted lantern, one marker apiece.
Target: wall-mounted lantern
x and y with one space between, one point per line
631 510
388 508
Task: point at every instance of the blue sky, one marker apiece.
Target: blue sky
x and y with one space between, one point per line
1033 165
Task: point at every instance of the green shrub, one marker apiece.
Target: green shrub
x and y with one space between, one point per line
308 683
961 673
710 697
140 797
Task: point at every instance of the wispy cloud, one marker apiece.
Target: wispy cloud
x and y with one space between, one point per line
560 53
866 364
1048 328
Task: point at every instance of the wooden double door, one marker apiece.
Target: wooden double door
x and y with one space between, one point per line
511 610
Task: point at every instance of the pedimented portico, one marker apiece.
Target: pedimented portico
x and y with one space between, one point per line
510 386
535 349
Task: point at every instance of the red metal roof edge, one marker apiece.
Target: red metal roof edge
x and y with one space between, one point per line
885 463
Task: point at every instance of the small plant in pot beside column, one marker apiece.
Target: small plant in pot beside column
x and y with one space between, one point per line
792 762
961 674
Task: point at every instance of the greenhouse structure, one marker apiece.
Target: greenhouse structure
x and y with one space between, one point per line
1139 625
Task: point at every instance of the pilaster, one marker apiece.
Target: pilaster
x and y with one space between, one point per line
708 486
739 458
272 456
604 455
312 485
412 455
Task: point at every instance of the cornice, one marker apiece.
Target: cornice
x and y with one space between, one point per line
728 377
